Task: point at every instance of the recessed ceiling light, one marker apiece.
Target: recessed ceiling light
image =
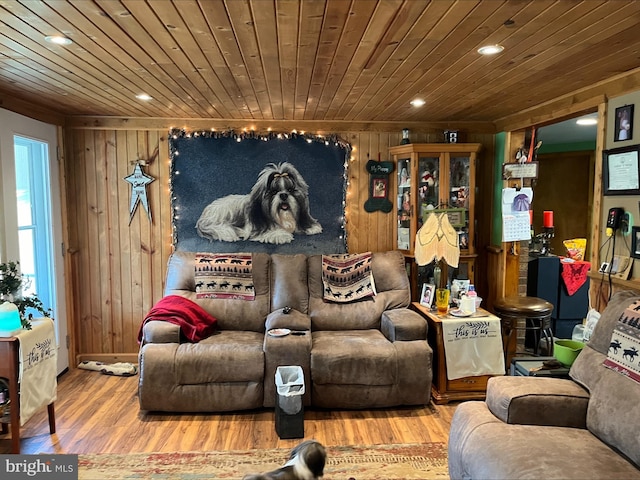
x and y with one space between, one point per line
58 40
587 121
144 96
490 49
417 102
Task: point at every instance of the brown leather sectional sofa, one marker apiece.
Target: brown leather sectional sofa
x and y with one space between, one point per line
364 354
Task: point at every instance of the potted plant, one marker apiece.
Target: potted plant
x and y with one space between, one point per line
12 282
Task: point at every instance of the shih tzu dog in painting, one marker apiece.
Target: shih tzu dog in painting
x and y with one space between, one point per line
306 462
275 209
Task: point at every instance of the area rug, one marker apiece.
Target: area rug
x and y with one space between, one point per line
375 462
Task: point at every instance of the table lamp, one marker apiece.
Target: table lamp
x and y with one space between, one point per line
9 319
437 241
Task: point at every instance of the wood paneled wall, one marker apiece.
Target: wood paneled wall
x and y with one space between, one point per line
118 267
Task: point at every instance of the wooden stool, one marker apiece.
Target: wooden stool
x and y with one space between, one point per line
536 313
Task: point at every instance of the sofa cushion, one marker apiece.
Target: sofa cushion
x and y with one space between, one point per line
482 446
402 324
224 275
538 401
392 286
348 357
624 347
231 314
347 278
228 356
289 287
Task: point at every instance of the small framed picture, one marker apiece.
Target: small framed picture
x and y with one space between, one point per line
379 188
463 240
623 123
426 299
635 242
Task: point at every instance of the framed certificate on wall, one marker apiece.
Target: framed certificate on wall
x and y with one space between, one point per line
621 171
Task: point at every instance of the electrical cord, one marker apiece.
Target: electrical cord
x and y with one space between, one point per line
603 271
613 254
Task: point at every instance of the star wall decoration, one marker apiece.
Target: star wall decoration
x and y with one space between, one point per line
139 181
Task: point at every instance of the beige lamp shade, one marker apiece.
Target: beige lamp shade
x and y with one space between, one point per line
437 240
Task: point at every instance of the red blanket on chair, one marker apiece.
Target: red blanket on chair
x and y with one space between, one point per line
194 322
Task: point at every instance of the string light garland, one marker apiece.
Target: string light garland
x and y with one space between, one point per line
176 133
250 134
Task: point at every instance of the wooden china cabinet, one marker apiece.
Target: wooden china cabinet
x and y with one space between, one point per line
435 177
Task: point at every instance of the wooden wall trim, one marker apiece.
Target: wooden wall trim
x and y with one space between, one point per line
576 102
552 112
596 212
263 126
31 110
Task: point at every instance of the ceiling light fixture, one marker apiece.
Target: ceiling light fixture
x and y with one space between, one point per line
490 49
58 40
587 121
144 96
417 102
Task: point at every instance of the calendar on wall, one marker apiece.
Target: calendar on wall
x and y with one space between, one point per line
516 222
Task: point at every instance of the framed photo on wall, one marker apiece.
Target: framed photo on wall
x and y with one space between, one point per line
623 123
635 242
621 171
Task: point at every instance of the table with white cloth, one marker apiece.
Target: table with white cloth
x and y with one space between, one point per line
466 353
28 362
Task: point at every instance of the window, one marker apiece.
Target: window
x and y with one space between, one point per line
33 198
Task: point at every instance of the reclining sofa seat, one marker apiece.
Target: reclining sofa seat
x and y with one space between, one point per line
223 372
364 354
585 427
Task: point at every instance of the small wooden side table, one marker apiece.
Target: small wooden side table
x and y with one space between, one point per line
444 390
9 369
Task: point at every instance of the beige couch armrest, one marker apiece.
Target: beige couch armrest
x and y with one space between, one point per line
294 320
155 331
538 401
402 324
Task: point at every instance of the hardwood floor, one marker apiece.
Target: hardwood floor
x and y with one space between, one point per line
97 413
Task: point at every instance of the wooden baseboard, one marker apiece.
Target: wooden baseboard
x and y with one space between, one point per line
107 357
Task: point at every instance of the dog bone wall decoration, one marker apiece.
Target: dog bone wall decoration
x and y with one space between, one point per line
379 186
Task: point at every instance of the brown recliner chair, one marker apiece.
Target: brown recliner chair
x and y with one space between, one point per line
370 353
535 427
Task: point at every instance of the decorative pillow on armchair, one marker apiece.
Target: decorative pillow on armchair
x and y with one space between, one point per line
625 344
347 277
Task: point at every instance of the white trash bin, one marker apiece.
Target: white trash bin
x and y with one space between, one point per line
290 388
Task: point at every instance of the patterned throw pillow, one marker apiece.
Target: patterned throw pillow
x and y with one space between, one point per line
347 278
224 275
624 349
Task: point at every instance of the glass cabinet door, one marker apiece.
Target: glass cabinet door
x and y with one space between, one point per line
459 195
403 203
428 186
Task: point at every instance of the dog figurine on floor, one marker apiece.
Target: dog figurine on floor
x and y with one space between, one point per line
306 462
275 209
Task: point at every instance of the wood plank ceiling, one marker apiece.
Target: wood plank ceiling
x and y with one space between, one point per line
325 60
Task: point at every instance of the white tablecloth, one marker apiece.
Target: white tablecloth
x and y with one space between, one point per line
38 367
473 346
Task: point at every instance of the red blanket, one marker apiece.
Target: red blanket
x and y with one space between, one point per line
194 322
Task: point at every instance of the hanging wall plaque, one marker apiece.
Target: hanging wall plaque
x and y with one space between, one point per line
379 186
139 181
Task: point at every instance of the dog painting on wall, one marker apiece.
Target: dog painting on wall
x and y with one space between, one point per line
276 208
306 462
